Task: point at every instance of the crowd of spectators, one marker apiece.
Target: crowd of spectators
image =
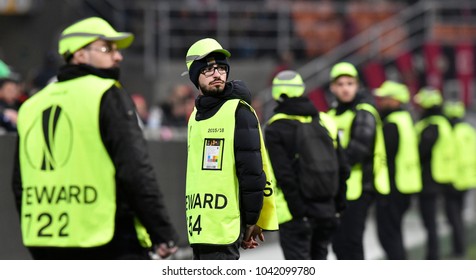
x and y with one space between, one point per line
314 27
12 95
164 120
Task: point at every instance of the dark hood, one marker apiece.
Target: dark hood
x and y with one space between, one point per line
433 111
73 71
455 121
385 112
208 105
300 106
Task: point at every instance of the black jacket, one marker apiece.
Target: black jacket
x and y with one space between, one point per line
137 191
280 141
360 148
249 165
428 138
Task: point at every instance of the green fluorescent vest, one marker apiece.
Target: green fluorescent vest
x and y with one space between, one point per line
284 215
67 176
407 161
443 159
465 137
212 190
354 183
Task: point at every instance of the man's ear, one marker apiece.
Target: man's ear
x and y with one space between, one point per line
79 57
332 87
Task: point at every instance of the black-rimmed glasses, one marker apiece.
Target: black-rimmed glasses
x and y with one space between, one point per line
210 70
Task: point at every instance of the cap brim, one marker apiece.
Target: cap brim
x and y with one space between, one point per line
223 51
384 94
335 77
122 39
380 93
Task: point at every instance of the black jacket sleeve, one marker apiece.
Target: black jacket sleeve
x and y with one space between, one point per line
135 176
391 138
249 164
278 137
16 179
390 134
427 140
362 137
344 173
6 123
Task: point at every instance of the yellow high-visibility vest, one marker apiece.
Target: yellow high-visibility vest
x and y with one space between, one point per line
407 161
443 159
465 146
69 197
212 189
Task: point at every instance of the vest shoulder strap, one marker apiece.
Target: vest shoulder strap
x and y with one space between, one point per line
282 116
331 126
432 120
370 108
367 107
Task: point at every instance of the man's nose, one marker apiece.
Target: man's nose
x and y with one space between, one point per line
215 73
118 56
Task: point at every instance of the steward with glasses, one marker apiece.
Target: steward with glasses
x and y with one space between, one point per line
228 189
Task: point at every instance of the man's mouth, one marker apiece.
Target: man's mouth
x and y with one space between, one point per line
216 82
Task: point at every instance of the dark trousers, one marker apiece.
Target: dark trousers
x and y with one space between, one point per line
306 239
390 211
454 201
348 239
218 252
427 204
108 252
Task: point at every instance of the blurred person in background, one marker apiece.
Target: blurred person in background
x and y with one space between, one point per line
229 191
307 222
10 94
285 61
465 177
258 106
9 104
4 70
81 145
361 136
168 120
178 106
141 107
46 73
437 159
403 162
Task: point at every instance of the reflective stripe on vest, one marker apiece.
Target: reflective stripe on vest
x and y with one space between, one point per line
69 197
465 137
443 159
282 209
212 190
354 183
407 161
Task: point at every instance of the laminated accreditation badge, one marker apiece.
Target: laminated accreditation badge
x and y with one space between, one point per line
213 154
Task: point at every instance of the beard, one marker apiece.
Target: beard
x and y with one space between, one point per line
213 89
